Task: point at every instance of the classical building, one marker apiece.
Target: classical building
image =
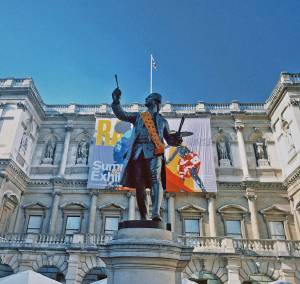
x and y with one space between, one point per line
248 232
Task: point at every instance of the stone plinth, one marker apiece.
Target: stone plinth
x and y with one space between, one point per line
144 256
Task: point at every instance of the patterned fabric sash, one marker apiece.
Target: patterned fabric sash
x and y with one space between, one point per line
149 123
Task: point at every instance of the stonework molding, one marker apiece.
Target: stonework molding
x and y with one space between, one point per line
111 206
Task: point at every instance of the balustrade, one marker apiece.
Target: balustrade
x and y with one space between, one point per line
215 245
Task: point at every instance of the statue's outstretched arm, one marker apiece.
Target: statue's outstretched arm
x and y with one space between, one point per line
118 110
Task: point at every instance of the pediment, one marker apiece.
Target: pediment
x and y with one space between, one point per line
111 206
36 206
73 205
191 208
233 209
276 209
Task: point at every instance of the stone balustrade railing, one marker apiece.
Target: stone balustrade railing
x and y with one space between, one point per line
242 246
274 248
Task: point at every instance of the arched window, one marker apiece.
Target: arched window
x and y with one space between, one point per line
5 270
93 275
53 273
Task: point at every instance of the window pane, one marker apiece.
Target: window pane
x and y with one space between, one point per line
233 228
34 224
111 224
191 227
73 224
277 230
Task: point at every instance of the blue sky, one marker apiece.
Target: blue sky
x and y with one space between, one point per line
210 50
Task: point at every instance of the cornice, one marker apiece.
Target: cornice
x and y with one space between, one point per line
14 173
286 82
293 177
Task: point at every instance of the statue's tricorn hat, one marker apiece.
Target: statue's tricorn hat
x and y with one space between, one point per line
155 96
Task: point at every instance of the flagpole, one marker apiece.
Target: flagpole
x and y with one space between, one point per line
150 73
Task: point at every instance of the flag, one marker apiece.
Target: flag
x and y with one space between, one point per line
153 62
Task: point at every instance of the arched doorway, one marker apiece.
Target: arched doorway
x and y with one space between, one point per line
5 270
52 272
93 275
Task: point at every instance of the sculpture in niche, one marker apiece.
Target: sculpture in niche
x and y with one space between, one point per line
260 149
223 149
82 152
287 134
25 137
50 151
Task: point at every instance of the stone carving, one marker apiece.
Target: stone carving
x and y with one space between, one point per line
25 137
287 134
259 146
82 152
223 149
50 151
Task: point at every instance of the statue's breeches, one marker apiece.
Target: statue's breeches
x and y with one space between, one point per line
148 169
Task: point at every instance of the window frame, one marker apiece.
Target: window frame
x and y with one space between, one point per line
112 217
196 218
28 220
66 223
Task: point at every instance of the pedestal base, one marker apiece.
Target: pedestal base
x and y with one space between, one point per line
144 256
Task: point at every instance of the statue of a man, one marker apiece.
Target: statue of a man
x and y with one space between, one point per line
144 164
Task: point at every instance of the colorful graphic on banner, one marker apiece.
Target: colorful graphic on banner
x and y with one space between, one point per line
189 167
108 152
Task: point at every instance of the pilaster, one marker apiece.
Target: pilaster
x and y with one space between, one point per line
251 197
239 126
211 198
92 213
63 163
54 211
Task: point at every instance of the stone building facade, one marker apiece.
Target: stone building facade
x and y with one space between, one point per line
248 232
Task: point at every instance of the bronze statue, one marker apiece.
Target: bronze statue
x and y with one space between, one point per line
144 164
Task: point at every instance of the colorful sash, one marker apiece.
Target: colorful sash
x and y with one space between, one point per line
149 123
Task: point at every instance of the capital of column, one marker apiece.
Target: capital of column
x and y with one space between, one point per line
170 194
69 126
210 195
94 193
238 125
56 192
131 193
250 194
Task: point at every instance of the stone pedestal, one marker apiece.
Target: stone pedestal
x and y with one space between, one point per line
144 256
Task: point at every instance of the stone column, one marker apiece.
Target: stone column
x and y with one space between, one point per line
251 196
211 198
171 210
54 211
233 270
239 126
93 211
64 157
131 205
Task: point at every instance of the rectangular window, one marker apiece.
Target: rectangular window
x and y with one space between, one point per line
233 229
111 225
192 227
277 230
34 224
73 225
